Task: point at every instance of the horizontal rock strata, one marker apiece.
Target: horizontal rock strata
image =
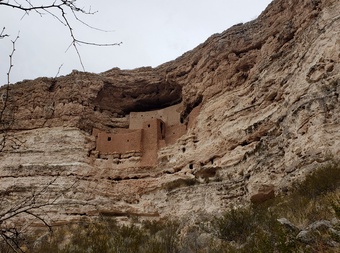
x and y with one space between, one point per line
265 96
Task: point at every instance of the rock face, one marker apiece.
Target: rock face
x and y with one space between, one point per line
259 106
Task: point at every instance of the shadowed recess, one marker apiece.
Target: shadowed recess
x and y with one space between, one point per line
138 96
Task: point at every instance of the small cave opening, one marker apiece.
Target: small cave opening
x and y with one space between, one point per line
244 143
183 149
109 138
191 166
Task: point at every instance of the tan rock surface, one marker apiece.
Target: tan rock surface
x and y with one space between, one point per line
269 112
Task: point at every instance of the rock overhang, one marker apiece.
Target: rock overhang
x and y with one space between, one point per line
137 96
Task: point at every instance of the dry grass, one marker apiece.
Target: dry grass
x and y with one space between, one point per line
249 229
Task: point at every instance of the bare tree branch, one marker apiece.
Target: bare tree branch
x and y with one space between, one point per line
8 240
61 7
3 34
11 59
36 207
59 70
5 119
33 208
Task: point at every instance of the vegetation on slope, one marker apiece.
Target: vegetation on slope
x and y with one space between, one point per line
307 220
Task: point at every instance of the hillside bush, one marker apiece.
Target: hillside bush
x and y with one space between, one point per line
254 228
235 225
335 203
320 181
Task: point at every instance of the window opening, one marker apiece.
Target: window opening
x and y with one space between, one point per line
109 138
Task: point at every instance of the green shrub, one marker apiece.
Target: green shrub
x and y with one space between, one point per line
106 236
249 229
321 181
335 204
235 225
163 236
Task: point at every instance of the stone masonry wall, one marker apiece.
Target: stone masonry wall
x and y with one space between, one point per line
109 143
169 115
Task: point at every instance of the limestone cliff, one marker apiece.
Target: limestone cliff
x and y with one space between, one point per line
265 100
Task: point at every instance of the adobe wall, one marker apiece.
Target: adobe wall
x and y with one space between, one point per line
170 116
173 114
95 132
110 143
173 133
147 133
152 135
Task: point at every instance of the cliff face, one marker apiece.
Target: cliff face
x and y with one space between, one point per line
260 105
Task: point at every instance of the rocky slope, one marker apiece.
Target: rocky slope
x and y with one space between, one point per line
268 93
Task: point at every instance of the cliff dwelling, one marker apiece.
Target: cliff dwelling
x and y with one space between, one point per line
148 132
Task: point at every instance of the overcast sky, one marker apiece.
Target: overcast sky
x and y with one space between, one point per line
152 32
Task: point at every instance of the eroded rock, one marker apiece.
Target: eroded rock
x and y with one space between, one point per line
259 107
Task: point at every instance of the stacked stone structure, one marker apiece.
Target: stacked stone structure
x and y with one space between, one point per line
148 132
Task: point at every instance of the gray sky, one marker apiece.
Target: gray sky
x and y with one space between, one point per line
152 32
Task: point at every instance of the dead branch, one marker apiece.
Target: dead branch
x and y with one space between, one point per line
11 61
6 138
34 206
58 9
3 34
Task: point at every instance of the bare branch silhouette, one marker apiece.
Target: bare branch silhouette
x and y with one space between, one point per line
11 59
58 9
31 208
59 70
18 214
3 34
6 139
